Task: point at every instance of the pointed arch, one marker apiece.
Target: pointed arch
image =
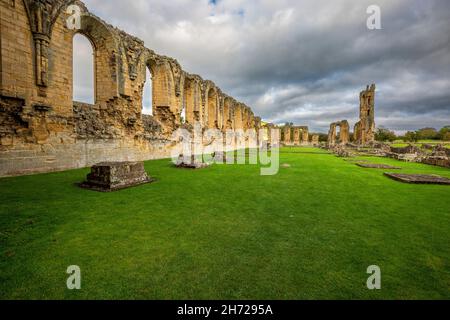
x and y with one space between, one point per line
164 100
227 122
238 117
105 48
83 82
212 108
147 96
191 100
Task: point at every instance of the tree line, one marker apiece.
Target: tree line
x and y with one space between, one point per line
383 134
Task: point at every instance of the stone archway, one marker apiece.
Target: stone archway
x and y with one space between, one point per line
83 70
164 101
212 108
344 135
227 122
191 100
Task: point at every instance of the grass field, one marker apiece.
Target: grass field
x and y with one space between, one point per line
420 143
226 232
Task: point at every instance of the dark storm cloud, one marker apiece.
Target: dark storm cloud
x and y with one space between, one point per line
306 61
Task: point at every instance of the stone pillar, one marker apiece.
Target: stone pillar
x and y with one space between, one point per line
41 14
315 140
305 136
332 135
297 134
287 134
345 132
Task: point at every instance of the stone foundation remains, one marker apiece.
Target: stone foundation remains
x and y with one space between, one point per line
418 178
112 176
376 166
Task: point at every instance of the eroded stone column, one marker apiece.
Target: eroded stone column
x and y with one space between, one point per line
287 134
297 135
332 135
344 136
305 135
315 140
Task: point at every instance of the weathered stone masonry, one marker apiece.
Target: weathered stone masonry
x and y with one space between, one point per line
364 130
42 129
295 135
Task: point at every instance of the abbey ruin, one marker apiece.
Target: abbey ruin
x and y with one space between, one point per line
364 130
42 129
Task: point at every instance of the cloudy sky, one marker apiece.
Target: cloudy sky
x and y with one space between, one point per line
304 61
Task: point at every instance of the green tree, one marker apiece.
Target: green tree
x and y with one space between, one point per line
427 134
323 137
411 136
443 132
446 136
383 135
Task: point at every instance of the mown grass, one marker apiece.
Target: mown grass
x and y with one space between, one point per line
420 143
225 232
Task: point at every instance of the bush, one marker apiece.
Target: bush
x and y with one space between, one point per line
384 135
427 134
446 136
443 133
323 137
411 136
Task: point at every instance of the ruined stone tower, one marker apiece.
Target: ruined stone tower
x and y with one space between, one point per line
365 129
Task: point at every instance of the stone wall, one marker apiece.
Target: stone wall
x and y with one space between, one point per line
42 129
295 135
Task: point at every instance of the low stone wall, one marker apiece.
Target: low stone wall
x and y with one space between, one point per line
409 157
405 150
437 161
89 136
30 158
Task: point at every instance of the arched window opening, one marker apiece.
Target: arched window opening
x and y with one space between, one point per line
226 114
83 70
147 99
183 111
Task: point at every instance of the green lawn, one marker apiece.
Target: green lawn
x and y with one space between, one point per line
226 232
420 143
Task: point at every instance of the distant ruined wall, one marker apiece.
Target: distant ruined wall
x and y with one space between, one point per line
42 129
270 134
304 135
295 135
